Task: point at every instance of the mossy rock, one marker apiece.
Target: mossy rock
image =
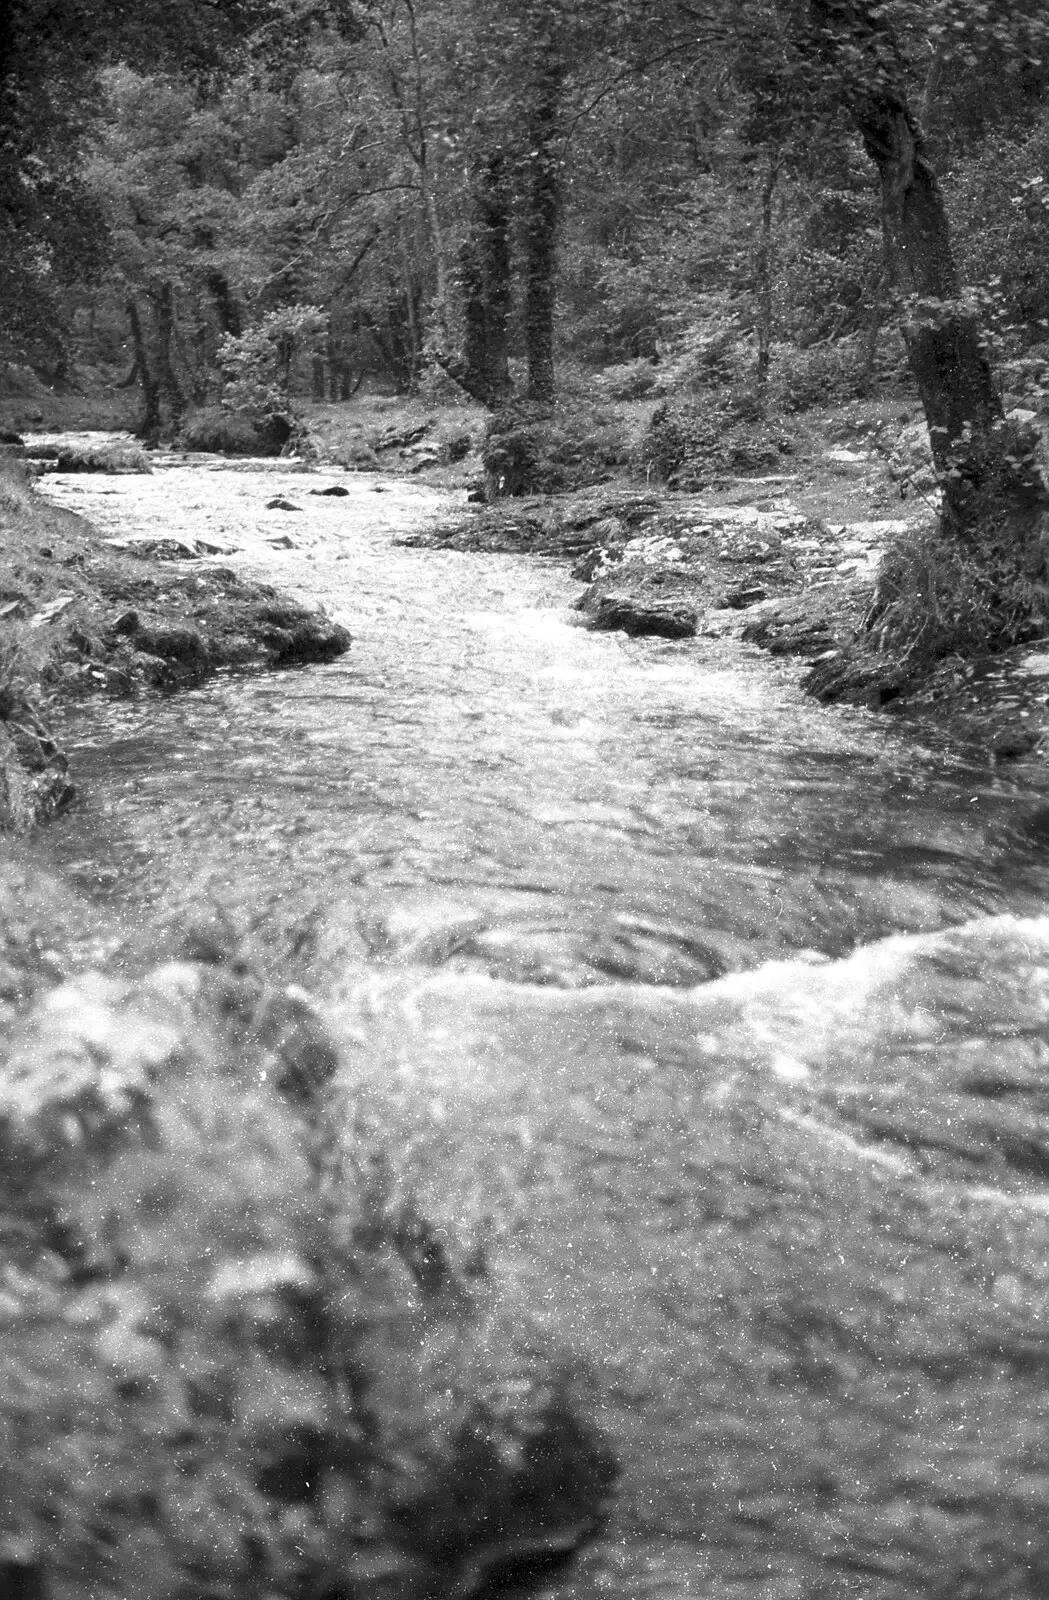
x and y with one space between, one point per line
111 458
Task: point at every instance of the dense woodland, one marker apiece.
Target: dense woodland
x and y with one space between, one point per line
232 204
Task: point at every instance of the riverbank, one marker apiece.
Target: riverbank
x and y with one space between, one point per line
787 561
81 614
791 563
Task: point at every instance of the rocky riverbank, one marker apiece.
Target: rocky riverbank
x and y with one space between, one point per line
80 614
675 565
789 563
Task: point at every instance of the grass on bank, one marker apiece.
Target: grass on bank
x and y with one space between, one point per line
935 599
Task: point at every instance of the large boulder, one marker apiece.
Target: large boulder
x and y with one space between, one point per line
216 430
910 459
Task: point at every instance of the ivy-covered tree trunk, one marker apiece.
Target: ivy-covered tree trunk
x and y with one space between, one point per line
986 465
149 421
486 287
542 215
763 272
225 302
171 390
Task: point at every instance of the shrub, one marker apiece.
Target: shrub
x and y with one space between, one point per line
801 380
531 449
710 355
689 444
938 597
829 258
257 368
456 447
218 431
15 493
629 380
999 204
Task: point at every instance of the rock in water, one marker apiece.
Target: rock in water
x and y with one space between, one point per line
637 616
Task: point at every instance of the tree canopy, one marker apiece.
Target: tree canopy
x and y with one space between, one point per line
491 190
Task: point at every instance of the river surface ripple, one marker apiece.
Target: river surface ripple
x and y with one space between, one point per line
480 762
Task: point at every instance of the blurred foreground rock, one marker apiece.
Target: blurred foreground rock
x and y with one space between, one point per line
232 1359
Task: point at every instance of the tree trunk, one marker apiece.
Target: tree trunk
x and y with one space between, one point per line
763 273
542 214
164 306
412 330
986 466
439 308
226 306
149 422
486 288
876 321
933 79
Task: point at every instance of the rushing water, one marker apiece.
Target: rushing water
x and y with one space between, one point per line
477 746
481 785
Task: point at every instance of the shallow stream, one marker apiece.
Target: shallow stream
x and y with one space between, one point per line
525 843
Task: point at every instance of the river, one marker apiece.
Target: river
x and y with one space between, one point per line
525 845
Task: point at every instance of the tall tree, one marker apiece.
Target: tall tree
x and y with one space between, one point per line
542 212
485 280
986 466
